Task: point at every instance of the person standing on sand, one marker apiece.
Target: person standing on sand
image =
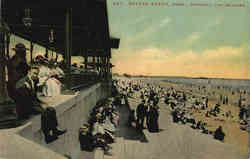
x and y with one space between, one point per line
206 102
131 118
152 119
140 114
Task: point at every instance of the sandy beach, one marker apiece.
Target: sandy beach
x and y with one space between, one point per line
231 126
235 138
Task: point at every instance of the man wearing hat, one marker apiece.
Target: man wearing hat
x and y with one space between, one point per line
20 85
17 69
141 112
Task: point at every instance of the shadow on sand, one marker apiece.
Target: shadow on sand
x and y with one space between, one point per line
126 131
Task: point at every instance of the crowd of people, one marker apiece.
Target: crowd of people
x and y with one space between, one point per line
182 104
146 114
100 129
185 103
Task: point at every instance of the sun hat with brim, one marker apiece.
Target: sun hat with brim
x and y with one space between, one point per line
20 46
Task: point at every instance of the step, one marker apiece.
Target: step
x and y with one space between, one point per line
131 148
98 153
117 149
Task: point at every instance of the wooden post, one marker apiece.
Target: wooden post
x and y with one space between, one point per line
8 46
31 52
3 91
46 52
94 61
108 66
68 48
98 64
56 55
103 67
85 58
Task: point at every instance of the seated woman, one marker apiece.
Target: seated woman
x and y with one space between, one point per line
48 79
100 136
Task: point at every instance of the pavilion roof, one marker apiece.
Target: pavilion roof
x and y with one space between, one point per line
90 27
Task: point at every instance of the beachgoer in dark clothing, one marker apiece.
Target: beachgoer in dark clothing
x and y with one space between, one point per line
206 102
131 118
152 119
175 116
140 114
219 134
85 138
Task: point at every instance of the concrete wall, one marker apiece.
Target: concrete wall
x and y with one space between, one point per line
72 112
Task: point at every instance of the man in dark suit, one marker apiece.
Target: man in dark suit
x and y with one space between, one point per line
140 114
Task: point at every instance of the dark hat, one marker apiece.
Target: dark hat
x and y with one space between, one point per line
42 60
20 46
40 57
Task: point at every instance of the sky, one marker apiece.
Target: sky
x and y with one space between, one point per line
193 41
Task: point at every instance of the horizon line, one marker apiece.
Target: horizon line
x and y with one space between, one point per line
230 78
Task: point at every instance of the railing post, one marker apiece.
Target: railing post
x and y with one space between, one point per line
3 91
68 49
31 51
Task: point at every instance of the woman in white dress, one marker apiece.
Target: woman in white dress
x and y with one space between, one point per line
51 86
